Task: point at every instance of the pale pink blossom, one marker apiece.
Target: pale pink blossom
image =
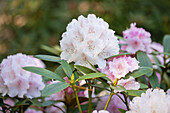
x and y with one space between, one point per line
88 39
100 111
118 67
32 111
15 81
156 47
153 101
57 96
137 39
39 62
114 104
59 109
129 84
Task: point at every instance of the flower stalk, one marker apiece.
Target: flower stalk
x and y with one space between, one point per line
90 97
77 99
108 101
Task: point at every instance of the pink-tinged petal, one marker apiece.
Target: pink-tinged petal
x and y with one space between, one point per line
15 81
129 84
137 39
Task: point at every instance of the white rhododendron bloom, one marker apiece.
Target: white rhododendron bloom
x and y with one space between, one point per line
15 81
136 39
129 84
100 111
155 101
88 39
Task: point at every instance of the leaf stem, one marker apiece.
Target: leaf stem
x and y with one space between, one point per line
90 97
108 101
126 101
77 99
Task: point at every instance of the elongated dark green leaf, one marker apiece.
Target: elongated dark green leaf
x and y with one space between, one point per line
121 110
106 78
54 88
154 80
48 103
60 71
66 67
144 61
48 58
143 86
44 72
84 69
157 52
118 55
91 75
118 88
166 43
135 92
95 69
101 87
54 50
141 71
35 102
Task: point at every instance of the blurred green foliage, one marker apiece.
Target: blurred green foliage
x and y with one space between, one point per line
25 25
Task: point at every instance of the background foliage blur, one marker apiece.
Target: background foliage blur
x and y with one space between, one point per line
25 25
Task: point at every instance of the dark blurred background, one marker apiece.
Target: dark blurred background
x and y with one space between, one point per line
25 25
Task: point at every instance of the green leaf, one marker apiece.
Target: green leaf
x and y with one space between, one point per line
141 71
118 88
54 88
135 92
143 86
106 78
35 102
144 61
54 50
93 67
121 110
120 37
157 52
44 72
91 75
48 103
166 43
66 67
100 86
60 71
48 58
118 55
84 69
154 80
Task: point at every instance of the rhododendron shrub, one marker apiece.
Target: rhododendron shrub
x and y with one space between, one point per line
98 72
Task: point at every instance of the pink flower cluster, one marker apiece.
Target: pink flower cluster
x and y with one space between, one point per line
136 39
15 81
120 66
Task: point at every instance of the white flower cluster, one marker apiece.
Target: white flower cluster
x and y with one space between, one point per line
15 81
155 101
88 39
